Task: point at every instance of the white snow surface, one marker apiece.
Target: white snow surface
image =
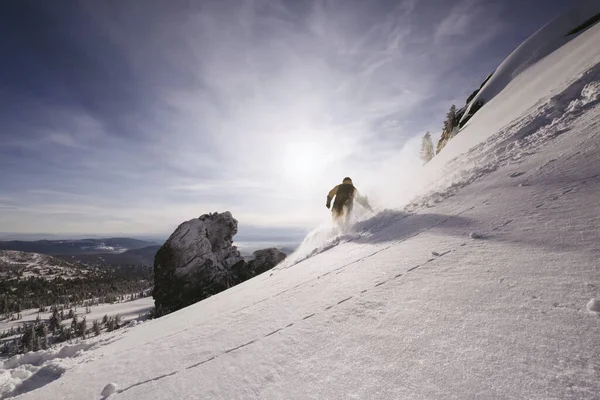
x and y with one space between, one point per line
25 372
407 305
542 43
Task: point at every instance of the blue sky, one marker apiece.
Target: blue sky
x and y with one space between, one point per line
131 117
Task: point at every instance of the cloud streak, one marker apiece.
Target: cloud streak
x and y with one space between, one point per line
148 114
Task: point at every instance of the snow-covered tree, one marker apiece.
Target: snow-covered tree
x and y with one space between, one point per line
427 151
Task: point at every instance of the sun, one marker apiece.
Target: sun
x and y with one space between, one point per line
302 160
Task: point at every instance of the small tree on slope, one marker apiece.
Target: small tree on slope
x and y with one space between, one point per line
427 151
96 328
450 123
81 328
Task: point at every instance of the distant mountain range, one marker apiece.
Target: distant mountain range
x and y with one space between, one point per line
78 246
114 252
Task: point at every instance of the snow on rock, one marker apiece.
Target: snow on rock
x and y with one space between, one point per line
594 305
195 261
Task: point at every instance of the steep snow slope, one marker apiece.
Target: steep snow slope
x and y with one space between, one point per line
479 290
542 43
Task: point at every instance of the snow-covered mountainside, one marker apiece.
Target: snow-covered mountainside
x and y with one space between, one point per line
486 286
19 264
542 43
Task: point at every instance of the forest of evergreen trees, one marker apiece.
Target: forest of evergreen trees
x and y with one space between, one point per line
40 334
36 292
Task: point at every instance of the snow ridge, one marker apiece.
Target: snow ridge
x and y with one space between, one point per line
542 43
545 121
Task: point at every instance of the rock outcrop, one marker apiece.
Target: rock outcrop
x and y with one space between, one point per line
199 260
263 261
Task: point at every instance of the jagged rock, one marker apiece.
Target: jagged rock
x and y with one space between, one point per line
263 261
195 262
199 260
266 259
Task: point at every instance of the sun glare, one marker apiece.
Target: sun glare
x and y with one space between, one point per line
302 160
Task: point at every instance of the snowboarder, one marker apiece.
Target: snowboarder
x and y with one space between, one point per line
345 194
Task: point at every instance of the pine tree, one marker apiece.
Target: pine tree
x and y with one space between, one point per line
74 325
81 328
450 122
5 306
36 339
54 321
96 328
42 334
64 334
427 151
105 319
110 325
71 313
29 341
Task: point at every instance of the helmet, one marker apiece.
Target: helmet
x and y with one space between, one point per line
347 180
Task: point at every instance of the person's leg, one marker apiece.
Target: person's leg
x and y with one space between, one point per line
348 213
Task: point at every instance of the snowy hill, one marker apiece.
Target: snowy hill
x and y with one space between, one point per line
545 41
19 264
485 286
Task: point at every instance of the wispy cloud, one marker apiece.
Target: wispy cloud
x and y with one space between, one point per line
163 111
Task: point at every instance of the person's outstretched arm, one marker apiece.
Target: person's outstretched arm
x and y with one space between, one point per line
330 195
363 201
